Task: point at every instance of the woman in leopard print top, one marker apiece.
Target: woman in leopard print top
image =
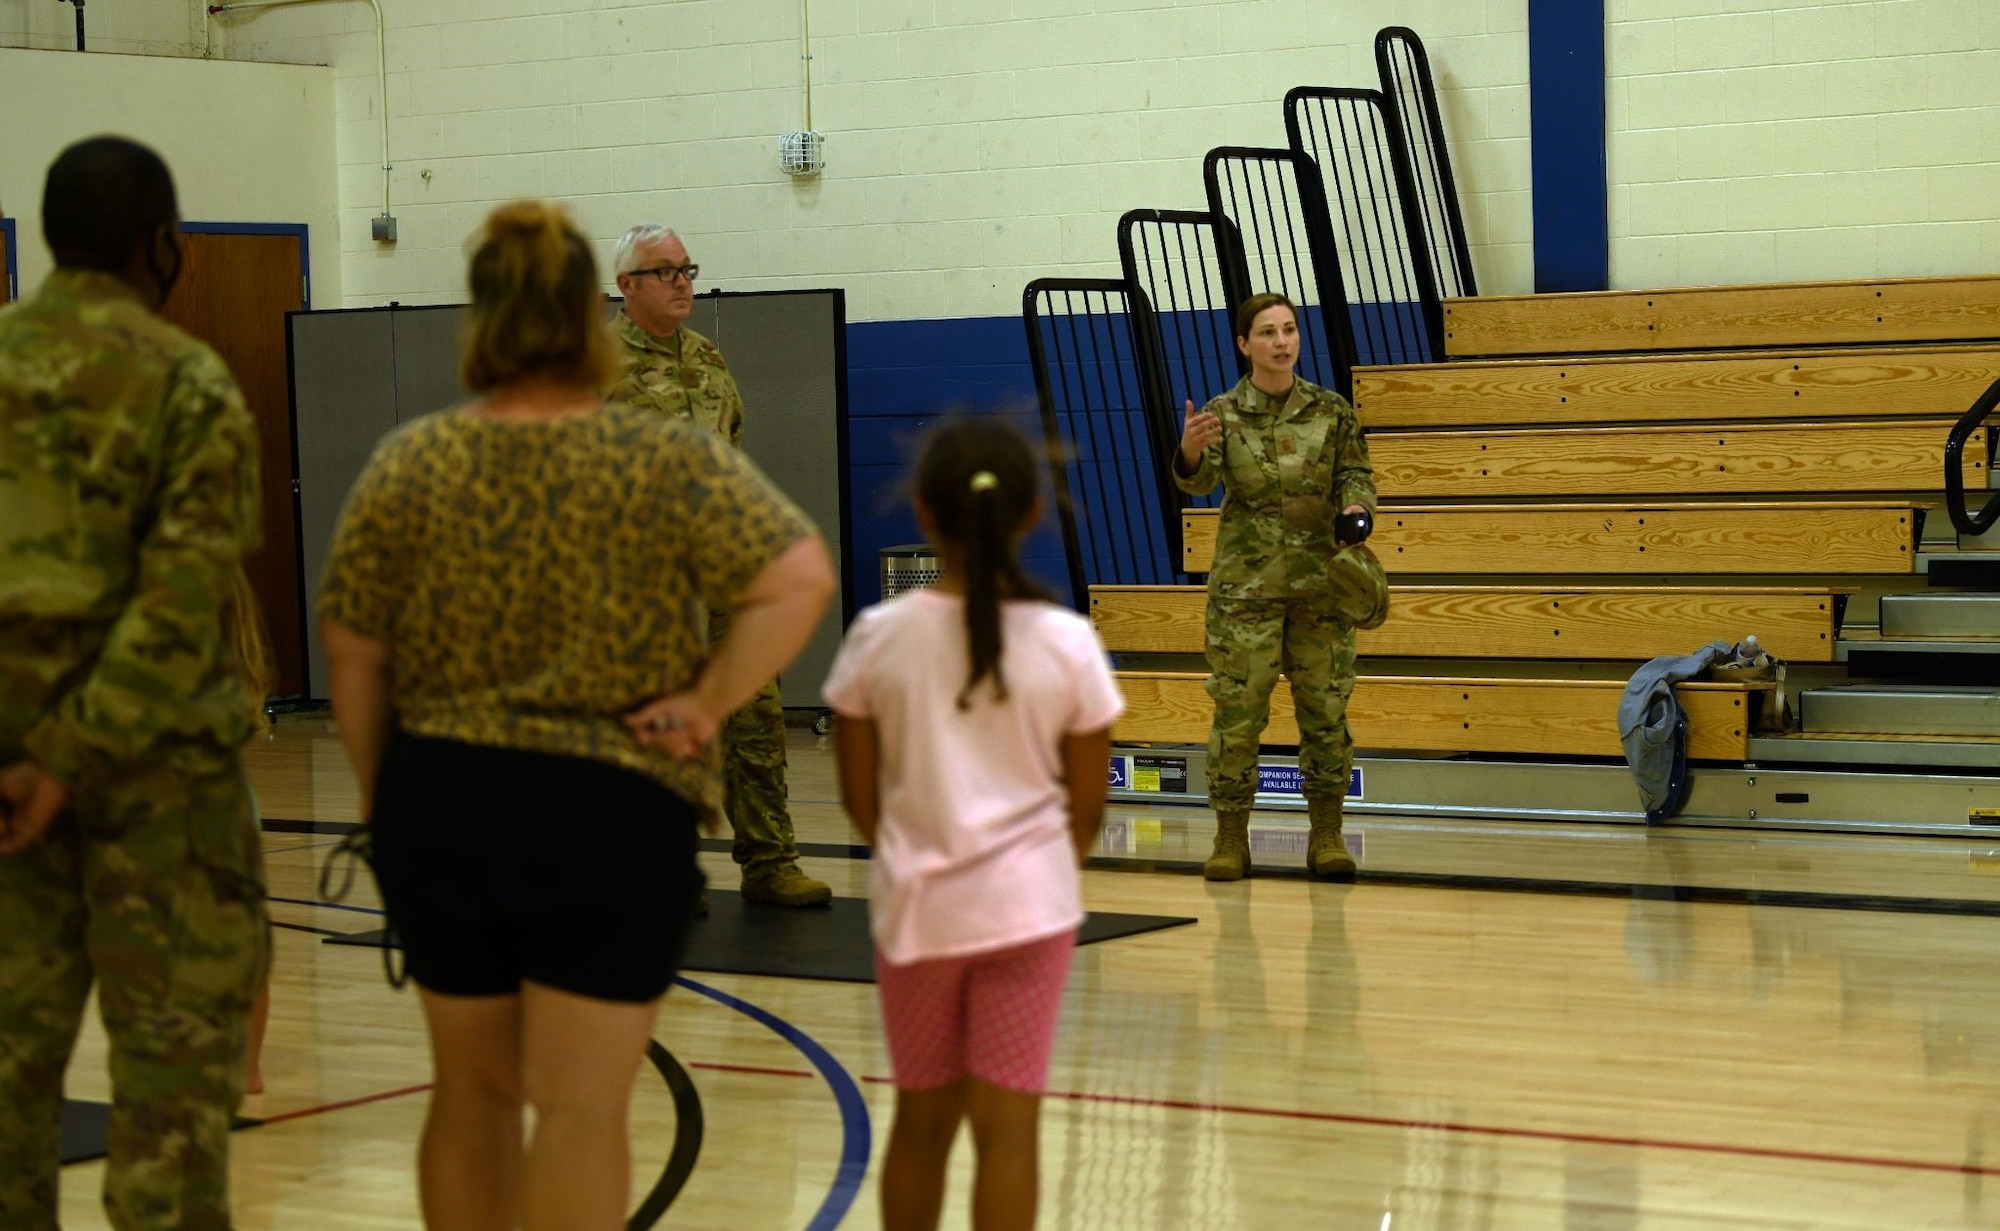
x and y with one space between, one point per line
514 614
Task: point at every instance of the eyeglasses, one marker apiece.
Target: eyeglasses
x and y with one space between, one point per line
667 273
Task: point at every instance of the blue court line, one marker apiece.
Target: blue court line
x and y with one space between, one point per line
855 1138
856 1141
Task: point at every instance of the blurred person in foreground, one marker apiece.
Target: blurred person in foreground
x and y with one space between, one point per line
129 852
515 613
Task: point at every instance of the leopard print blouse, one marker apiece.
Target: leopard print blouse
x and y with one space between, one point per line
535 581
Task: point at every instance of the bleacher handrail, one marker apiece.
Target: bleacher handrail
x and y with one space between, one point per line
1273 235
1431 177
1962 516
1208 361
1386 265
1120 536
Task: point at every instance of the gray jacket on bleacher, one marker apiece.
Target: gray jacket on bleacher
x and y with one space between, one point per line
1653 727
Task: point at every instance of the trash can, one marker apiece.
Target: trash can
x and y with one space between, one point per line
906 567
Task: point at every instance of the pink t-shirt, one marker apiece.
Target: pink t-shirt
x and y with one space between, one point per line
973 851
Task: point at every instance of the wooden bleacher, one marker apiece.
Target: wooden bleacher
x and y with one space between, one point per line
1730 459
1790 384
1451 714
1738 538
1797 624
1501 475
1731 317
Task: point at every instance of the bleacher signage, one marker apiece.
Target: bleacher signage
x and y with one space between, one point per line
1289 780
1161 775
1280 780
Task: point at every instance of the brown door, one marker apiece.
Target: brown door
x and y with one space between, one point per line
233 294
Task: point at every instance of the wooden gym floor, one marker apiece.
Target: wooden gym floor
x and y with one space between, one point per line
1702 1031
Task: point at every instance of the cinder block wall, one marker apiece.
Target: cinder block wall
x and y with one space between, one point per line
975 144
1757 140
971 144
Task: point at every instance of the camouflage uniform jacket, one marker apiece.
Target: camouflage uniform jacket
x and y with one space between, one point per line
683 375
1288 469
128 494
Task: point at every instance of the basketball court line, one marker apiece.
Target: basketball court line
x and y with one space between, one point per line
751 1069
1506 1131
323 1108
856 1143
1447 1126
856 1140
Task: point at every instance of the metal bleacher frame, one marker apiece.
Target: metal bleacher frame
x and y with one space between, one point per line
1119 520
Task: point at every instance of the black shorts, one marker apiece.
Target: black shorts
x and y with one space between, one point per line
499 866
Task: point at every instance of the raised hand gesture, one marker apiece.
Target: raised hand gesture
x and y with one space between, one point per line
1199 429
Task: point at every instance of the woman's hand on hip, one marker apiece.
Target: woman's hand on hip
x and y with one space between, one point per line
679 725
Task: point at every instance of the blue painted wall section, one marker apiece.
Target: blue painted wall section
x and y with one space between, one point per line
1566 121
903 377
12 272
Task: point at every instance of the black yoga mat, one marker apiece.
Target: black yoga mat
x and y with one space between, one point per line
829 942
86 1128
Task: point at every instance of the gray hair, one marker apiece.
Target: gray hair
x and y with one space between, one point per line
625 256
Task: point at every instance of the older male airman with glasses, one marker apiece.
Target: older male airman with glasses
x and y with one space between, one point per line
674 370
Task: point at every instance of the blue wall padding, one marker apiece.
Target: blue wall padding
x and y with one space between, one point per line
902 376
1566 127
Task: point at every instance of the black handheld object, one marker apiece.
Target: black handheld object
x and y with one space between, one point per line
1352 528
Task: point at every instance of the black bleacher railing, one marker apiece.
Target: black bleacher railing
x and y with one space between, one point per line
1385 265
1410 98
1185 269
1115 360
1962 515
1277 203
1118 511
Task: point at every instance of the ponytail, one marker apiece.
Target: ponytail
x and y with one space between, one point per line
977 478
988 549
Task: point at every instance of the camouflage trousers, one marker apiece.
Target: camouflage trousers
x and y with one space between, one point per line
159 899
1249 642
753 778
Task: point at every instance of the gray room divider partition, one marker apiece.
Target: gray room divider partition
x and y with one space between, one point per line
358 373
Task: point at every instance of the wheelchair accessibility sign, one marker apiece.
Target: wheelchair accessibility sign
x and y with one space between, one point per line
1156 774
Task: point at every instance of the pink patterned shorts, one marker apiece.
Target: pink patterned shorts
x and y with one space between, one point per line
987 1015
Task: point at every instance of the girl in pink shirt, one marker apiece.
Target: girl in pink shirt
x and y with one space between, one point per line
973 739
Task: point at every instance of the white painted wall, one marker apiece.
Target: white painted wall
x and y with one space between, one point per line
246 142
129 27
971 144
1788 140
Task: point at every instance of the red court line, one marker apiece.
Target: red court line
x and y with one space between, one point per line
343 1105
1533 1134
748 1068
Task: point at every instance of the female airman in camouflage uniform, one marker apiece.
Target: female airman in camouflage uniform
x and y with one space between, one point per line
1281 594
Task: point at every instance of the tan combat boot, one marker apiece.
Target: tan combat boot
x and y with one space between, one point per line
1231 858
785 885
1326 853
